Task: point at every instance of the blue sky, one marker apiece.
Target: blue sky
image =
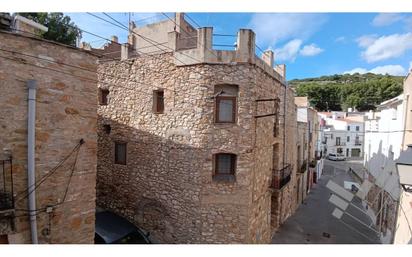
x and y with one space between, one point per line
310 44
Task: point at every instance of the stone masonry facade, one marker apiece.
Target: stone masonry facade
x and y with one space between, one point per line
66 112
167 185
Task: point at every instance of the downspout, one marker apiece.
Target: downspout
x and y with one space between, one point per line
284 128
405 118
31 175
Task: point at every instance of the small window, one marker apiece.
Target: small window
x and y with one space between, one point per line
337 140
120 153
348 128
347 138
103 96
225 166
225 109
158 101
357 128
107 128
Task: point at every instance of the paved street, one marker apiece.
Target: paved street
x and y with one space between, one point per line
313 222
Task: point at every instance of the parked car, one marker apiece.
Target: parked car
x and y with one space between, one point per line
336 157
113 229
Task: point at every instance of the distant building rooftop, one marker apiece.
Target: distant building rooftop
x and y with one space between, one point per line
302 101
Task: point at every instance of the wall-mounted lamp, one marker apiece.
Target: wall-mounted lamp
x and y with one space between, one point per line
404 167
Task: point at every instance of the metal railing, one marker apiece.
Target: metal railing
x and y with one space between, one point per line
340 144
6 185
358 142
303 167
281 177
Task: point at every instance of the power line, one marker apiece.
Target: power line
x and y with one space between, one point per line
211 51
50 173
187 15
150 41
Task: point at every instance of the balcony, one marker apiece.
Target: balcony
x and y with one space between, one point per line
6 197
340 144
281 177
303 167
358 142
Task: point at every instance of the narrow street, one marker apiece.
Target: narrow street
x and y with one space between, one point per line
313 222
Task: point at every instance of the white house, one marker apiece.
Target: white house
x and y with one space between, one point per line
384 133
343 133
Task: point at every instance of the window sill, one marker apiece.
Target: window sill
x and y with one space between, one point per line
224 178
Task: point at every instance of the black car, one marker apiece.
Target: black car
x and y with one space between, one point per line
113 229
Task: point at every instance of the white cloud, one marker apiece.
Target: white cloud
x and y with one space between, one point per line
385 47
356 70
310 50
396 70
293 48
384 19
276 27
340 39
289 51
366 40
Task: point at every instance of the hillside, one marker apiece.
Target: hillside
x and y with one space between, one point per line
339 92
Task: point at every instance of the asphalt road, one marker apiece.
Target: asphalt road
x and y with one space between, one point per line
313 222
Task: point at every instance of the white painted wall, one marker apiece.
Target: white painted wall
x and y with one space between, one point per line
338 127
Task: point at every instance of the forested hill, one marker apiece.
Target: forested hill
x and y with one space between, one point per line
339 92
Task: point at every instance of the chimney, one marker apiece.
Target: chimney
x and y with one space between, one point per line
267 57
124 55
114 39
179 19
245 51
281 69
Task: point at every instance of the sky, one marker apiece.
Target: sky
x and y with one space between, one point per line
310 44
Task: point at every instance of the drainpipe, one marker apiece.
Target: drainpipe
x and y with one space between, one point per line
31 175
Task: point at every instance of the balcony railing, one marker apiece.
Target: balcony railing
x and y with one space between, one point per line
6 185
340 144
358 142
303 167
281 177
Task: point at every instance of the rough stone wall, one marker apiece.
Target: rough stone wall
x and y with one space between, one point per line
265 159
283 201
65 113
167 186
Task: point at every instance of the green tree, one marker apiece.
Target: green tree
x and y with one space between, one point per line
60 27
361 91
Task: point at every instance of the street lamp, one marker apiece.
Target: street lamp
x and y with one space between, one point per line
404 167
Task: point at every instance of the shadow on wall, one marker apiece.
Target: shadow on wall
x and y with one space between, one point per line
159 186
384 196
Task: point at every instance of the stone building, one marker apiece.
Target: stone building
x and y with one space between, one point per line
191 140
48 138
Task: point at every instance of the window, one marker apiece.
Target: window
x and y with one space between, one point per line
103 96
348 128
337 140
225 109
120 153
225 103
107 128
347 138
357 128
225 166
158 101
